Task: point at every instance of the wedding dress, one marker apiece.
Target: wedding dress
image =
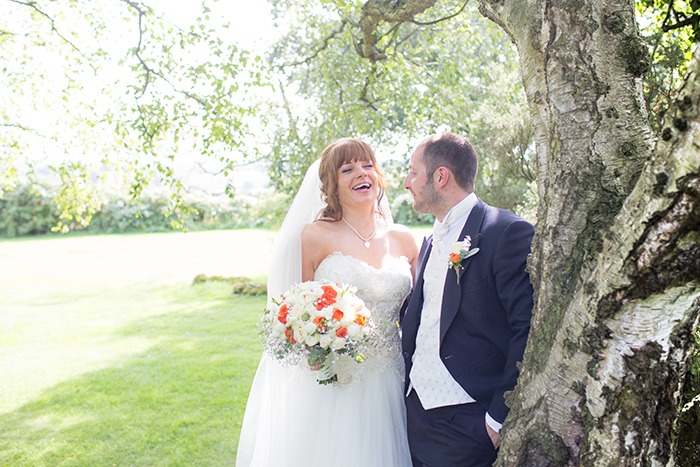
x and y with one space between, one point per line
292 421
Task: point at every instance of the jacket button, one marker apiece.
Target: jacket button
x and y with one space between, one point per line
405 355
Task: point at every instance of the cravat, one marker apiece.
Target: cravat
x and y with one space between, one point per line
440 229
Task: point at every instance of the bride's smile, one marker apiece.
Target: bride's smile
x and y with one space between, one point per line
357 181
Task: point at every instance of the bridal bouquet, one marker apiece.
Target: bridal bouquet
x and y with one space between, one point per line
316 320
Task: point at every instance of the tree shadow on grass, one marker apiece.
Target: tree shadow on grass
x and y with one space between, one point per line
180 403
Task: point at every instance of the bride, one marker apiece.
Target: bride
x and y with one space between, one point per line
338 229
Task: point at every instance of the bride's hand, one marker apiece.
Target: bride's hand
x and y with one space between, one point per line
317 366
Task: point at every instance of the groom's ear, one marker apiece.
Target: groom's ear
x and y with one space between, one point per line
441 176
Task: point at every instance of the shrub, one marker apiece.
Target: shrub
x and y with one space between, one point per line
119 215
27 210
30 210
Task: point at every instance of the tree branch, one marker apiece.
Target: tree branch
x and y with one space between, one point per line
442 19
288 110
142 12
365 89
390 11
324 46
22 127
137 52
668 14
33 5
229 166
681 24
406 37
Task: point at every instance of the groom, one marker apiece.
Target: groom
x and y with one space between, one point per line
466 324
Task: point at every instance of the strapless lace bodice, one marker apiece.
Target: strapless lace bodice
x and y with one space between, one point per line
383 291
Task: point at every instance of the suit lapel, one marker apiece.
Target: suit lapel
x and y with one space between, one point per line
425 250
411 318
452 295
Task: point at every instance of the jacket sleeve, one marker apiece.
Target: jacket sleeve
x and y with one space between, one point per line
516 295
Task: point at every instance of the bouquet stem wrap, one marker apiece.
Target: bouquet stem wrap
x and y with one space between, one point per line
327 373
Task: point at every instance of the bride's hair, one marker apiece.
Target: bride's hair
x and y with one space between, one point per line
333 157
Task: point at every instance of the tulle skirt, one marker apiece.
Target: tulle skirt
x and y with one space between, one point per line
292 421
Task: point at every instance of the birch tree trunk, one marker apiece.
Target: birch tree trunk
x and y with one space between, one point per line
615 263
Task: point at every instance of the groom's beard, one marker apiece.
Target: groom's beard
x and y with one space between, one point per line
428 199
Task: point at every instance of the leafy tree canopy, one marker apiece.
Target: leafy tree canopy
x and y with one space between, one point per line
447 69
118 83
670 38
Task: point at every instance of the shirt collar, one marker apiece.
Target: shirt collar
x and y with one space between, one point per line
454 220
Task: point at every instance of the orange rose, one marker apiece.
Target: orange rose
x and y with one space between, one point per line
360 319
329 291
282 315
454 257
289 334
342 332
338 315
324 301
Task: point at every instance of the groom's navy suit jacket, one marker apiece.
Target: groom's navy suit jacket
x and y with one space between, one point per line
485 318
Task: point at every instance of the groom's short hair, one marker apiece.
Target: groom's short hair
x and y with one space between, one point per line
453 152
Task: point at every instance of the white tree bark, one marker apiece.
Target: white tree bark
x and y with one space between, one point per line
616 263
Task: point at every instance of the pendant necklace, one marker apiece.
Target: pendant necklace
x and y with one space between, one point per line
358 233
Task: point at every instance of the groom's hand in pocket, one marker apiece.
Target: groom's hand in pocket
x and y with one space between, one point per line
495 437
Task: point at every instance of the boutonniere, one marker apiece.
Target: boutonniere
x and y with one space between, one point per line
459 252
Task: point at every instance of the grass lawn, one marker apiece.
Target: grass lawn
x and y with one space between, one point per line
110 357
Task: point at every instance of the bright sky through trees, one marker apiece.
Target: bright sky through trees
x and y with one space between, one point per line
56 118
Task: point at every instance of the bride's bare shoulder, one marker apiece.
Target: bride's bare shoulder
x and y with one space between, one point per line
401 233
317 241
317 230
405 239
319 237
400 229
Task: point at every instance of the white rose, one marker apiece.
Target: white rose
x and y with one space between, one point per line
456 248
354 331
338 343
278 328
346 303
292 297
312 340
299 333
324 341
309 328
